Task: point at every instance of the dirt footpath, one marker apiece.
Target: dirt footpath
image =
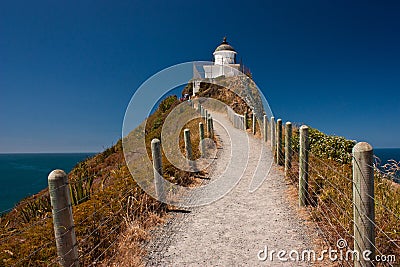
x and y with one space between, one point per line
232 230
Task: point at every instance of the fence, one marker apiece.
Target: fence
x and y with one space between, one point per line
47 235
342 198
238 121
354 205
343 201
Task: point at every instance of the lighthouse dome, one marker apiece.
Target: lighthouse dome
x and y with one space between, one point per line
224 54
224 46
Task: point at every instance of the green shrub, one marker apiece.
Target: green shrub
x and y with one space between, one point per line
331 196
167 103
326 146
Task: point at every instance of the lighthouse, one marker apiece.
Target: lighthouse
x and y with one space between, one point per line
224 65
224 54
224 62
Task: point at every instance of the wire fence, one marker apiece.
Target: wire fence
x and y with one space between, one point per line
104 203
100 214
331 197
27 237
331 191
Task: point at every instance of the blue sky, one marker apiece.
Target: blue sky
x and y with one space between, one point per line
69 68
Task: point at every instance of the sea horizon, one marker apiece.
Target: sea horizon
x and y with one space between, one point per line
96 152
25 173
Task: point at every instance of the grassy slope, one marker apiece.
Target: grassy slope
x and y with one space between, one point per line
116 209
330 180
108 202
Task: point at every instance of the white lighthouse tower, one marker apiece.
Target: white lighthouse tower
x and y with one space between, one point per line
224 62
224 65
224 54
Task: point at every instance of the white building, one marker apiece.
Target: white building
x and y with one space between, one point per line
224 65
224 62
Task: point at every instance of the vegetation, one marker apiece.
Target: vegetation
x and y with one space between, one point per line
113 215
330 190
110 210
325 146
238 93
35 208
224 95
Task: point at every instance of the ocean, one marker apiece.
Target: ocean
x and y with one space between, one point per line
385 154
23 175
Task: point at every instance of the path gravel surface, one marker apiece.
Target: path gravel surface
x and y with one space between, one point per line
232 230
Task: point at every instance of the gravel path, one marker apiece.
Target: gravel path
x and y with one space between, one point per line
232 230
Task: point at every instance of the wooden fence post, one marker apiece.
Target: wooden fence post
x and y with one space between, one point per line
206 122
188 144
303 166
157 168
201 133
273 142
212 126
235 120
209 128
62 218
288 147
254 123
265 124
279 143
364 204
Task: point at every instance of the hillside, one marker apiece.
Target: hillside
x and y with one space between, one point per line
113 216
106 203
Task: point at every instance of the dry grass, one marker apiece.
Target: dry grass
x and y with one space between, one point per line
313 232
111 221
331 206
128 249
115 219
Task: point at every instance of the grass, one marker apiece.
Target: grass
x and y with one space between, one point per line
113 215
111 212
330 191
